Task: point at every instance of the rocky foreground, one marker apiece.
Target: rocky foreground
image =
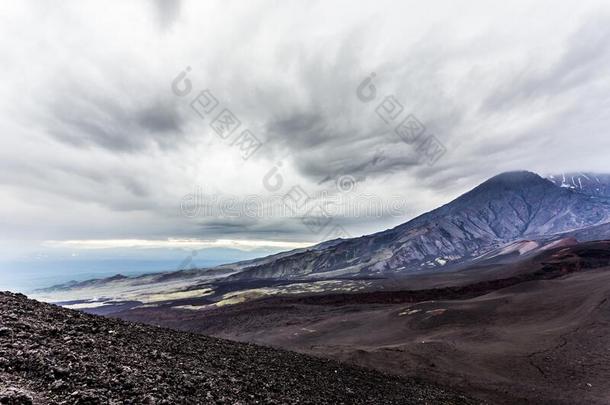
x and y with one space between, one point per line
51 355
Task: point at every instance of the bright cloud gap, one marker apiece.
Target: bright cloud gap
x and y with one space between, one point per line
186 244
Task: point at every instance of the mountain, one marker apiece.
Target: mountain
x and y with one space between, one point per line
51 355
504 209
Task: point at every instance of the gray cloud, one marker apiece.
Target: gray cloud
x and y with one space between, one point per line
584 59
95 145
85 119
167 12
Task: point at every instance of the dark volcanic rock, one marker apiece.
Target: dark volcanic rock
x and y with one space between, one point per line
14 396
65 356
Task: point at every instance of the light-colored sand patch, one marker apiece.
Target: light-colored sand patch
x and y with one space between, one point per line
238 297
84 305
231 301
176 295
409 312
194 307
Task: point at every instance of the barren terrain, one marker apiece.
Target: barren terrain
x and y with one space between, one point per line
538 335
51 355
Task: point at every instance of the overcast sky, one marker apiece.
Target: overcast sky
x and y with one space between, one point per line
98 150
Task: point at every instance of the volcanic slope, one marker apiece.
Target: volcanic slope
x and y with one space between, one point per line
52 355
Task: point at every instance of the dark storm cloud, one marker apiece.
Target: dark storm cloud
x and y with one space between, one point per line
248 226
302 129
159 118
380 158
331 138
330 132
85 119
